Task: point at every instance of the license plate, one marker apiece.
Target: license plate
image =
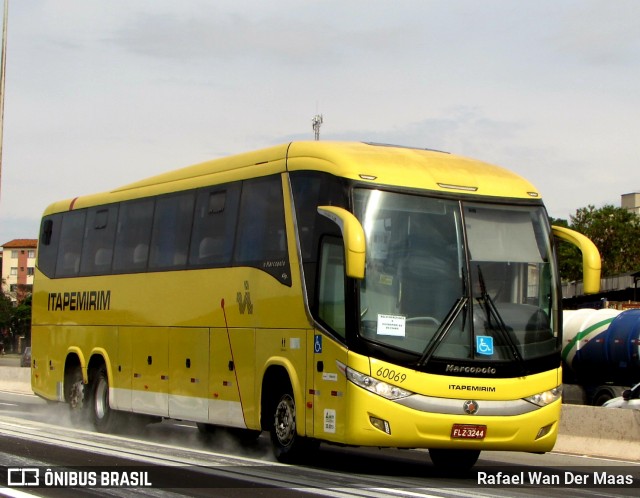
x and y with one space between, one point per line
466 431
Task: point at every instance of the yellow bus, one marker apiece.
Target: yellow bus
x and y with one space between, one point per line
350 293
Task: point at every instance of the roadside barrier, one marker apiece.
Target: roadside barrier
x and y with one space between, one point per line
596 431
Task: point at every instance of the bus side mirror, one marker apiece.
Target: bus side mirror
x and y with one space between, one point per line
353 236
591 263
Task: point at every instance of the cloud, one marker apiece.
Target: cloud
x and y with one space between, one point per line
223 37
600 33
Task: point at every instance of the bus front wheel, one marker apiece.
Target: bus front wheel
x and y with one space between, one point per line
288 445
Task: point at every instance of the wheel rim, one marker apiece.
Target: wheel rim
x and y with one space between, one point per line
76 395
101 399
285 420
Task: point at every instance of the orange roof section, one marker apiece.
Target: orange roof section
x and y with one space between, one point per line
21 243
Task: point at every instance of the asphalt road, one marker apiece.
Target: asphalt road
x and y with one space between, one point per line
182 462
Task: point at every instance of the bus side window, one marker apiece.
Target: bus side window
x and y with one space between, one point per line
70 246
310 190
134 233
214 226
262 239
100 234
331 288
48 246
171 231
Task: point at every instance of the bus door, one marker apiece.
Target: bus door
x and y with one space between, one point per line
189 373
150 382
329 384
329 387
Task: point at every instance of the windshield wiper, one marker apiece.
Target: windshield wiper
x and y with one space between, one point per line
490 310
443 330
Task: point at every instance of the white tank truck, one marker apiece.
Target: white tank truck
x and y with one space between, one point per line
600 353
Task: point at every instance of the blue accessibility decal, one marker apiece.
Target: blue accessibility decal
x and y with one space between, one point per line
484 345
317 344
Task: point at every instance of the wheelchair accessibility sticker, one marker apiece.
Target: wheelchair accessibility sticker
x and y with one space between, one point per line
317 344
484 345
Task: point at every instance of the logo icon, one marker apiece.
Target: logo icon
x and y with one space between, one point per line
470 407
484 345
23 477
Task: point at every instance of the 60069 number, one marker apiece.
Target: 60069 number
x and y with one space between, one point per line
387 373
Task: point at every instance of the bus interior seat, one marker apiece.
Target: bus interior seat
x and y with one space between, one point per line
71 263
102 258
140 254
209 247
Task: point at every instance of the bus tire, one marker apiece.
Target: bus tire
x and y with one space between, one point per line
602 398
453 460
103 416
288 445
76 396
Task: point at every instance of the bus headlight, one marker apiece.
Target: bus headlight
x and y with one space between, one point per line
374 385
545 398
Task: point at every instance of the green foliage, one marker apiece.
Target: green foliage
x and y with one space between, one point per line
615 232
6 311
569 256
15 321
21 319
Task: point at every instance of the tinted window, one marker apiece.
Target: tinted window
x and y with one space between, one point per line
214 226
310 190
171 231
70 249
331 291
262 238
100 232
133 236
48 246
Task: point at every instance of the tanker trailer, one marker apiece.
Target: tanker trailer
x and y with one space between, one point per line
600 354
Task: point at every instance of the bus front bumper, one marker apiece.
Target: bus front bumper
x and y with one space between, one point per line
377 421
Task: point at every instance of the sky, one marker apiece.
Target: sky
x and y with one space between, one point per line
103 93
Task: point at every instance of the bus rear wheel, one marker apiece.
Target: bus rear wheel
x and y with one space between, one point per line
454 460
103 416
75 394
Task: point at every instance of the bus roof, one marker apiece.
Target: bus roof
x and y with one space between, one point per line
378 164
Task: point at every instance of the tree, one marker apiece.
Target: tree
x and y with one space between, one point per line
6 311
569 256
21 320
615 232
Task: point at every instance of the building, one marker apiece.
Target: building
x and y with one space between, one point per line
18 268
631 202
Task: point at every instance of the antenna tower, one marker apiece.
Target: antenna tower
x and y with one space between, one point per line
316 122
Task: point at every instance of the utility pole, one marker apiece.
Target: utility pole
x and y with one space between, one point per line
316 123
3 68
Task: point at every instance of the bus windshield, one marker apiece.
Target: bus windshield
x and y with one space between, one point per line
456 280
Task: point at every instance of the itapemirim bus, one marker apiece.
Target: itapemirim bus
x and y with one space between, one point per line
351 293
